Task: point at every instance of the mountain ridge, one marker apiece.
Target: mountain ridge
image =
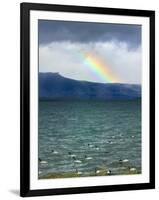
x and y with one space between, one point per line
54 86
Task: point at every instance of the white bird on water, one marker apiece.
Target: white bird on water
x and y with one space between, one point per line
133 169
88 158
109 172
76 161
54 152
97 171
42 161
96 147
90 145
71 155
78 172
123 161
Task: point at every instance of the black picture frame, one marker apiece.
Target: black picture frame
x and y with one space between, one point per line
25 9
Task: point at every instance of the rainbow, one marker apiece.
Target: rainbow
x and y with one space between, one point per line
99 68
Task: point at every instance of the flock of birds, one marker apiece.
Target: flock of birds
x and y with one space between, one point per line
75 160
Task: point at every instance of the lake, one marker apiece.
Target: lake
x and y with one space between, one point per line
89 138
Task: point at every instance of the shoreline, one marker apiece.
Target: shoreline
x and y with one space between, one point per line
55 175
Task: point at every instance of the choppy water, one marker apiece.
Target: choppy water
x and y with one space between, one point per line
105 131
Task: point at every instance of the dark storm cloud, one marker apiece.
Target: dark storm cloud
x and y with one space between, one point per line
51 31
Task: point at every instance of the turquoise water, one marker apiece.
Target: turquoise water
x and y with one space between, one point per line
107 132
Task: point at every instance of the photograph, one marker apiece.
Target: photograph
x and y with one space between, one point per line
89 99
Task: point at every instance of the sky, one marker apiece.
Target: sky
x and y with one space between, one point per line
96 52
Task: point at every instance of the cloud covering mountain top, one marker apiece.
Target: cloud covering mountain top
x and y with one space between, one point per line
117 46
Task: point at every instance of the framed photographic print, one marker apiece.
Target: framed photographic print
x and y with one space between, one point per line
87 99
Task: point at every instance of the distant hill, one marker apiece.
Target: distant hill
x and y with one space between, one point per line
53 86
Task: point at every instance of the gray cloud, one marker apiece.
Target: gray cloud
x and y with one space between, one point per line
86 32
64 57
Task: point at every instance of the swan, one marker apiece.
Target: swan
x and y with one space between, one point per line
123 161
97 171
132 169
71 155
109 172
54 152
88 158
76 161
90 145
78 172
97 148
42 161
